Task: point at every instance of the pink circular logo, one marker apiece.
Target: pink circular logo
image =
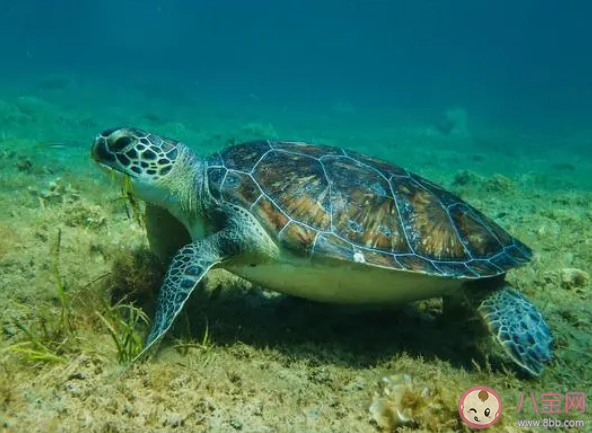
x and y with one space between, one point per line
480 407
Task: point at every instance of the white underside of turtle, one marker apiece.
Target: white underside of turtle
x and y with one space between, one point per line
349 284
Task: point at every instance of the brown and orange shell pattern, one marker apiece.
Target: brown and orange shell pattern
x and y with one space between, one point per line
325 201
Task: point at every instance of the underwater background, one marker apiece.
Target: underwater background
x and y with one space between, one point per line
490 99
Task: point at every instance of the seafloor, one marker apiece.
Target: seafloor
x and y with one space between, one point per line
71 247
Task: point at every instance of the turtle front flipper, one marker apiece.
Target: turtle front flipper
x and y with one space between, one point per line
187 269
519 328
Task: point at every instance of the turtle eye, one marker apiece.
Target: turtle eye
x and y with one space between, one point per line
487 412
120 144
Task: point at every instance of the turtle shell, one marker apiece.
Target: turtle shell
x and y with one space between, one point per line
325 201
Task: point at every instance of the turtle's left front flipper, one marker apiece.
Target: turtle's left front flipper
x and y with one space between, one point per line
186 270
519 328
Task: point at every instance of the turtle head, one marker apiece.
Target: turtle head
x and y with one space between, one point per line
146 159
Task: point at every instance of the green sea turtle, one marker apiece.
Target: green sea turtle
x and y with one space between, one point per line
325 224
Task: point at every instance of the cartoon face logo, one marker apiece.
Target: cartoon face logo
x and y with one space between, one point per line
480 407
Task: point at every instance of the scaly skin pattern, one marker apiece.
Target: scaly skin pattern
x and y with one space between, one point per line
258 201
519 328
186 270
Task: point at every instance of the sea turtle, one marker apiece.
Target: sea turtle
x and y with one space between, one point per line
325 224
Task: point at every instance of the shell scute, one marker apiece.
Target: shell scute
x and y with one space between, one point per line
453 268
519 252
446 198
245 156
215 178
381 258
270 215
478 239
315 151
386 169
215 160
239 188
427 223
502 236
418 264
298 237
364 211
330 245
504 261
483 268
298 185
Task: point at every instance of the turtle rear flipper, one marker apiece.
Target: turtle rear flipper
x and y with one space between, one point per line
519 328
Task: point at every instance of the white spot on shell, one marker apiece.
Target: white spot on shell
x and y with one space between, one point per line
359 257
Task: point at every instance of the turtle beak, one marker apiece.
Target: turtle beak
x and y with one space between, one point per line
100 153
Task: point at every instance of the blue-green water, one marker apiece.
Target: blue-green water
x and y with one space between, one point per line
506 62
347 71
